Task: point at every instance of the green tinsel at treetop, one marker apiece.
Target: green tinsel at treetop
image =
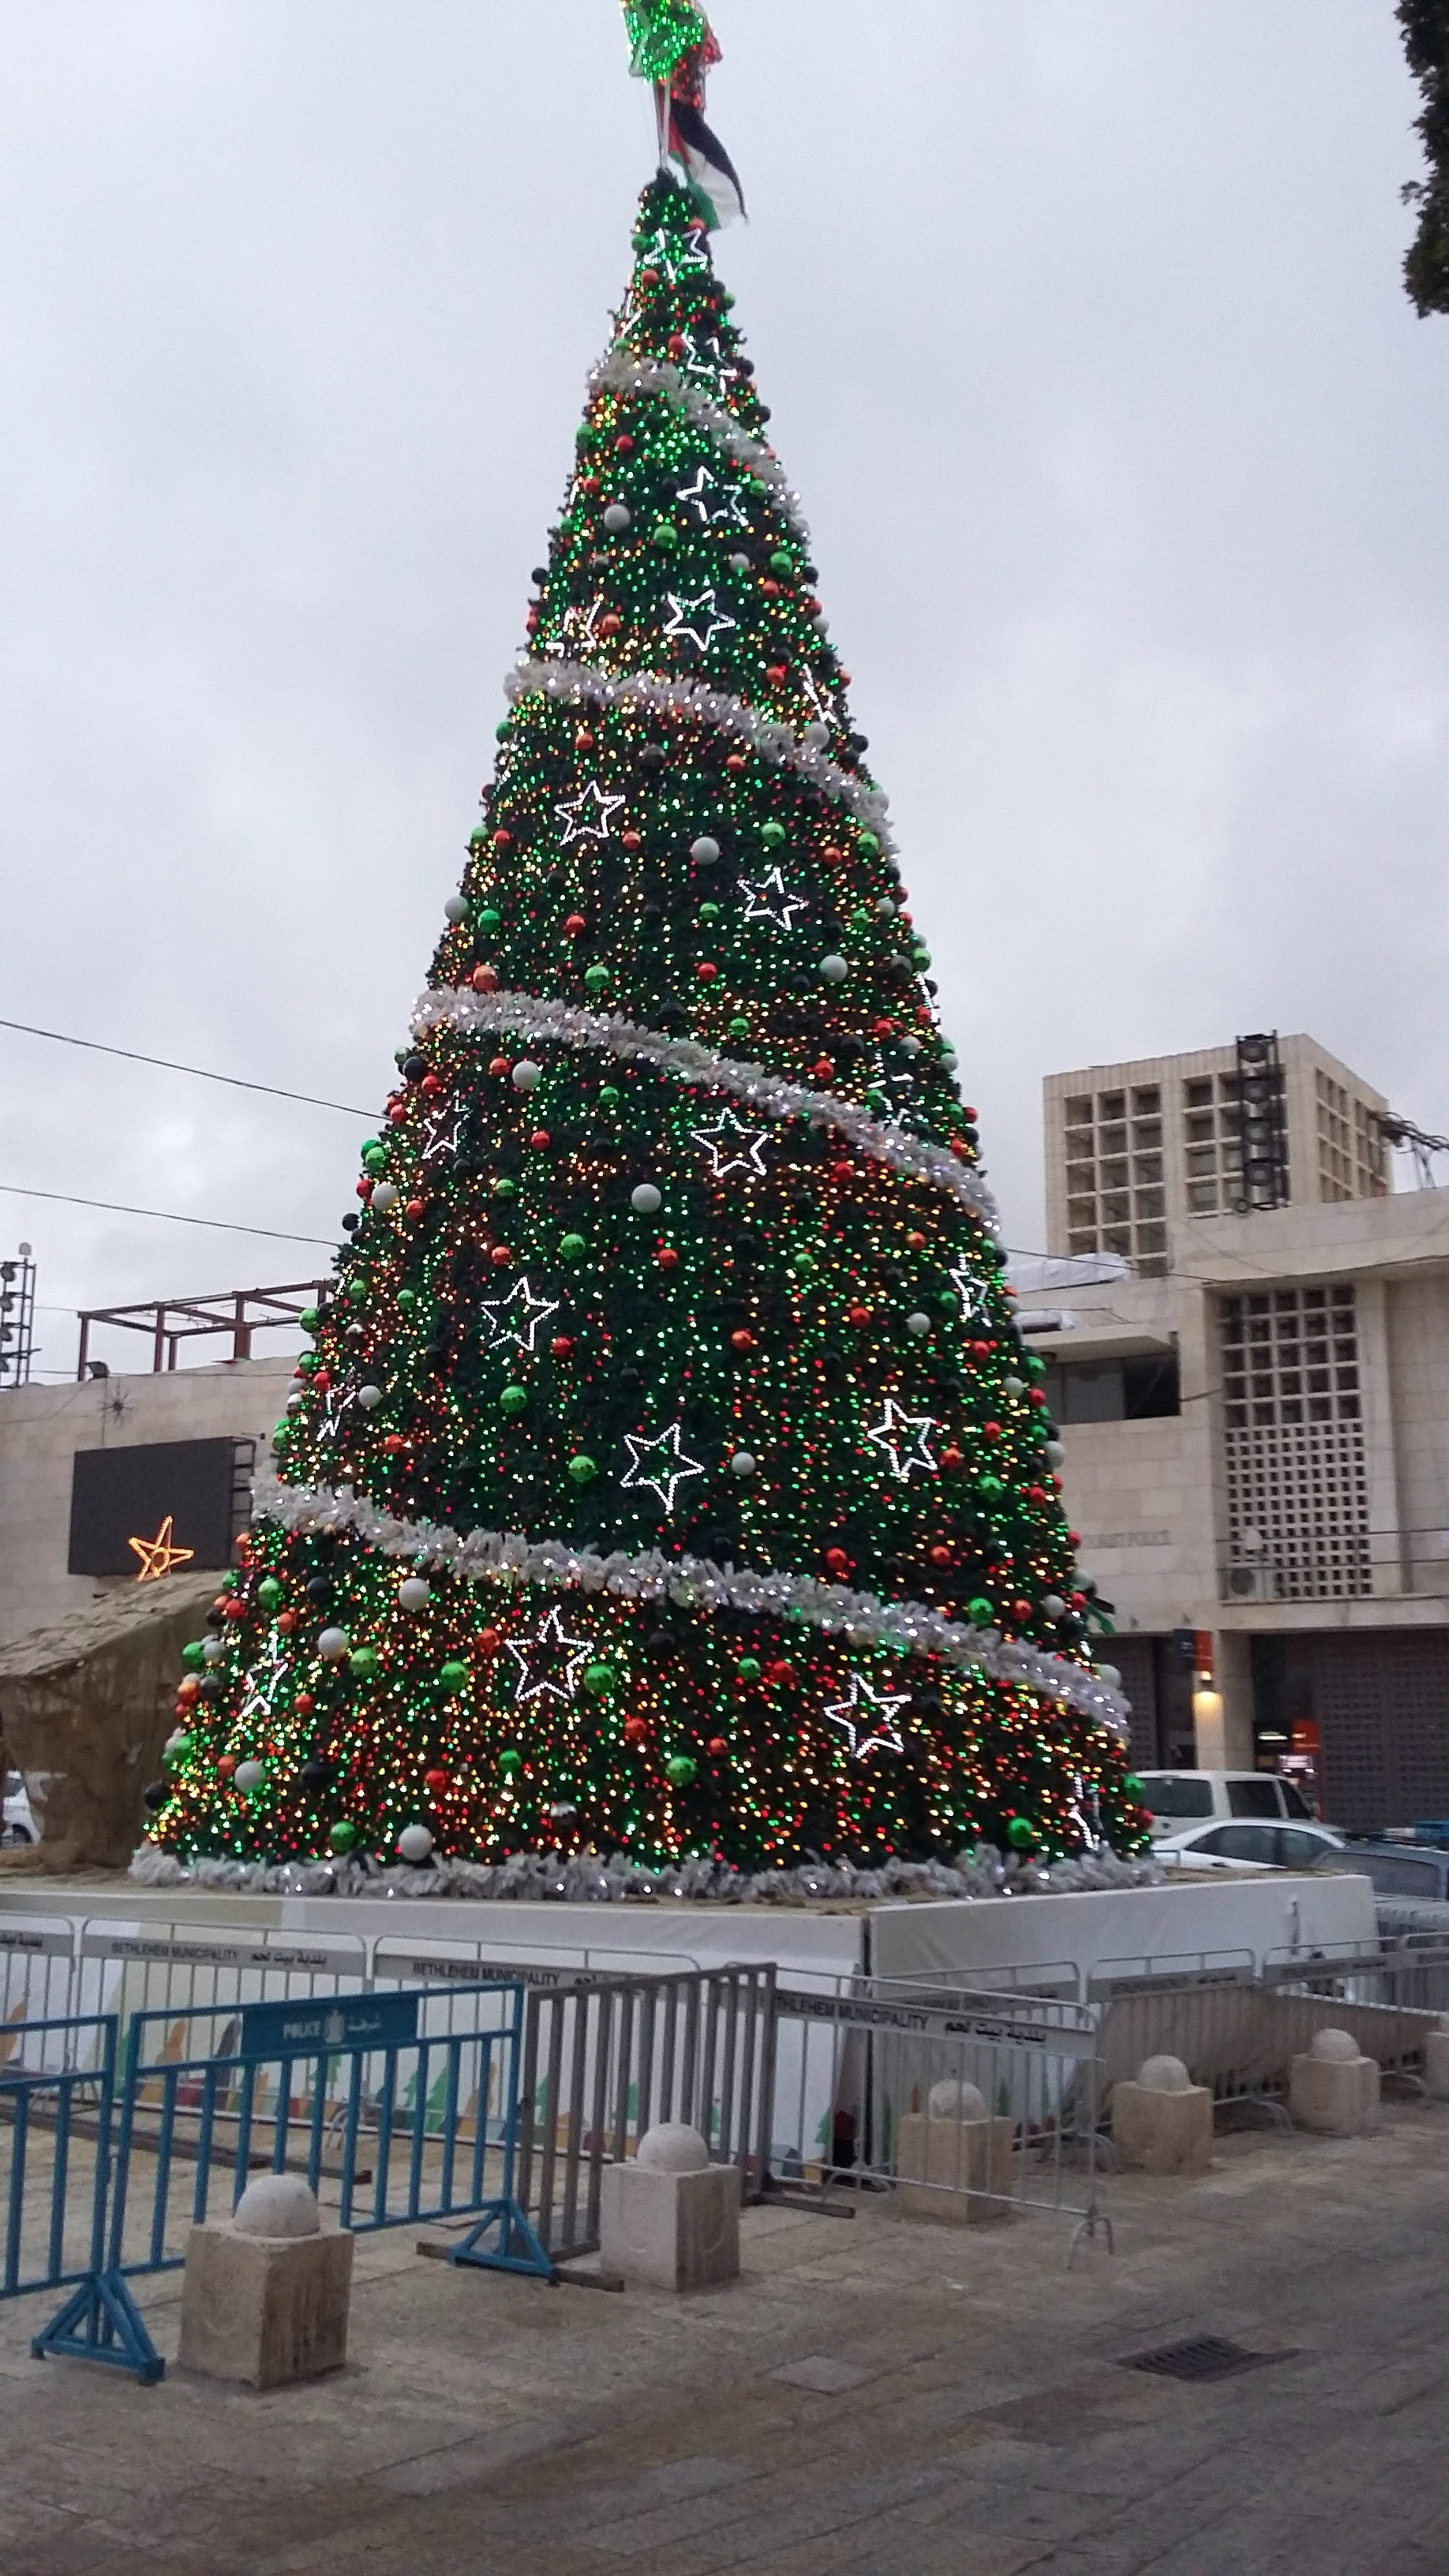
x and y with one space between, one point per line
662 34
666 1475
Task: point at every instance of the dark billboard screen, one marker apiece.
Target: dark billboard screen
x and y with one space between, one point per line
147 1510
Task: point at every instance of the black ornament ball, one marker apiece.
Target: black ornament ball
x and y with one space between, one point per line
155 1796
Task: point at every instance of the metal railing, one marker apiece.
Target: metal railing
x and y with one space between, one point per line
1237 2026
960 2103
607 2059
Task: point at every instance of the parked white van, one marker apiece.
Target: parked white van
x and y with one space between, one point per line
1178 1798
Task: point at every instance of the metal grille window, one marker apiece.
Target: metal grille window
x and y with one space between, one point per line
1114 1168
1297 1481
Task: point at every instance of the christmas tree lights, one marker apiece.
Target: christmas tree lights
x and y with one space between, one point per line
665 1474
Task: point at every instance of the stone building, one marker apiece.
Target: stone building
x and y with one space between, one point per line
1256 1428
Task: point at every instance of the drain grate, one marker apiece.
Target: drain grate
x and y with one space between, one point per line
1204 2357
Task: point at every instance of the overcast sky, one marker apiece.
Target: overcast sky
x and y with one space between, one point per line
1124 453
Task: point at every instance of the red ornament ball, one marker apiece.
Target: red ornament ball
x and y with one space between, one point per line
667 1257
501 1255
435 1782
502 840
394 1442
940 1555
490 1640
540 1140
1021 1612
743 1340
226 1766
636 1730
837 1560
857 1314
414 1209
485 979
717 1746
574 924
561 1345
499 1064
304 1703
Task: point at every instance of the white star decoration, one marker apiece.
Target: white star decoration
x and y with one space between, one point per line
520 1329
710 617
731 512
575 1652
671 1470
263 1681
867 1719
781 910
971 1291
588 816
824 706
579 623
442 1133
724 1157
881 1080
333 1409
887 1435
665 251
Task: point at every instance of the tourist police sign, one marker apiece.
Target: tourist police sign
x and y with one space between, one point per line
310 2028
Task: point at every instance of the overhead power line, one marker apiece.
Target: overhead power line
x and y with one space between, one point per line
201 1072
164 1216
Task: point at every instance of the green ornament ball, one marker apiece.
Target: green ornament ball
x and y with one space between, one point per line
804 1265
365 1662
610 1096
175 1754
1021 1834
583 1469
781 562
680 1770
453 1676
510 1764
344 1837
991 1489
1133 1785
948 1301
194 1655
739 1028
750 1668
599 1680
573 1247
980 1612
596 979
490 918
310 1318
666 535
868 844
270 1592
357 1292
514 1399
374 1158
504 1188
772 834
407 1299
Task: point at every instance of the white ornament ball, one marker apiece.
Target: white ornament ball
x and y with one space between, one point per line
673 2147
526 1074
1165 2075
918 1324
456 909
277 2205
885 909
952 2099
295 1403
414 1843
369 1397
618 517
949 1059
213 1651
704 851
646 1200
1053 1605
1054 1453
385 1195
910 1046
176 1736
413 1593
834 969
816 735
332 1645
1108 1674
743 1463
1014 1385
248 1776
741 563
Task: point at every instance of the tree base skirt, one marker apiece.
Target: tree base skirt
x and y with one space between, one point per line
531 1877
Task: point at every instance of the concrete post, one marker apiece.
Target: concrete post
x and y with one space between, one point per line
265 2294
1436 2065
1334 2090
953 2161
671 2219
1163 2123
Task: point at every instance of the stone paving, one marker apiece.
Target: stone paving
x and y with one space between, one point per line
875 2398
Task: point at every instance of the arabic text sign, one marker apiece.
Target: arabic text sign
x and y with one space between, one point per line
310 2028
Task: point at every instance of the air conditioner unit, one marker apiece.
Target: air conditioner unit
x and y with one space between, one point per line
1252 1583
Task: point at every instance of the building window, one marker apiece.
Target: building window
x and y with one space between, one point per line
1296 1474
1132 1390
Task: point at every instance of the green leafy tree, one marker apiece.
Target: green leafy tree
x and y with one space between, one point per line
666 1475
1425 24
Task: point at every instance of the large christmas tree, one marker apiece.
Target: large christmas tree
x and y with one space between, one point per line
667 1476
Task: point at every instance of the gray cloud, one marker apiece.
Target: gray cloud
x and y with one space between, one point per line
1082 328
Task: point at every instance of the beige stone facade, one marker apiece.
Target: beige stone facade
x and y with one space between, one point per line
1133 1148
1257 1451
41 1429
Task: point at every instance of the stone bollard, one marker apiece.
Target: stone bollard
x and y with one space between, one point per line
1163 2123
953 2154
265 2295
671 2219
1333 2089
1436 2064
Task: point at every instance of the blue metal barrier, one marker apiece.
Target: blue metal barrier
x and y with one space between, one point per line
397 2108
55 2234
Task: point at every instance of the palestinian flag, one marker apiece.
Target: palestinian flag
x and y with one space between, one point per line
686 140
